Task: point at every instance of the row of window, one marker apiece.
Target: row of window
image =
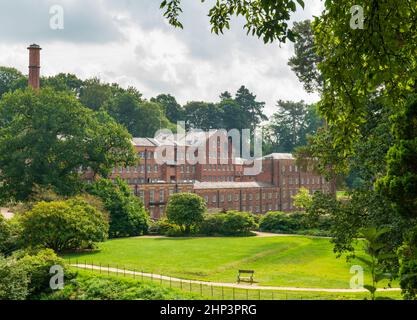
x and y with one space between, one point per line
221 179
218 167
236 197
304 181
137 169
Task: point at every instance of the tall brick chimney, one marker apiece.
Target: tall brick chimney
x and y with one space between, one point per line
34 66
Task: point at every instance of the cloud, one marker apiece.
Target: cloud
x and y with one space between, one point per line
84 21
130 42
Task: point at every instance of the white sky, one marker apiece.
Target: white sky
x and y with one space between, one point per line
129 42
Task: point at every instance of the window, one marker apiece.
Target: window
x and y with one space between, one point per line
142 195
214 199
161 195
171 192
244 196
250 197
206 198
229 198
257 196
148 168
236 197
152 196
270 196
155 168
222 198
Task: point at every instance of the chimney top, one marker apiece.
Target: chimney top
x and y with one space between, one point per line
34 46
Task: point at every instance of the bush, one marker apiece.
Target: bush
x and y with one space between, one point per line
128 216
14 281
186 210
37 266
295 223
164 227
229 224
63 225
5 235
283 222
89 286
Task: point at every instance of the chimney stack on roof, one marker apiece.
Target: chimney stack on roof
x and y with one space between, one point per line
34 66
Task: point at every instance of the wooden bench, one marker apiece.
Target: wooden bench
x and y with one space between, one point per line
248 278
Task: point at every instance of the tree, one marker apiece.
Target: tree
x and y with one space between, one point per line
225 96
37 265
64 225
186 210
266 19
233 115
128 217
5 236
94 93
305 61
291 124
14 280
63 82
151 118
253 109
46 137
303 199
202 115
400 182
172 108
408 265
10 80
374 249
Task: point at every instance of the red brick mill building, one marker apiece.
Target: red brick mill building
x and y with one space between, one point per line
221 178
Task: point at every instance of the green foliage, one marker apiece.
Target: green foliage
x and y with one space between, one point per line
127 213
47 136
94 93
265 19
400 182
202 115
231 223
37 266
64 225
379 59
14 281
173 110
290 126
10 80
88 286
303 199
295 223
5 235
374 248
305 61
408 266
186 210
63 82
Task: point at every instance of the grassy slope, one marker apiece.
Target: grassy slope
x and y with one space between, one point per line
278 261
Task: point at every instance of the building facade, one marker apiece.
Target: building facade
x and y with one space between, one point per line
221 180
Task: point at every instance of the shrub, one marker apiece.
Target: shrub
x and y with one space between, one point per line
63 225
37 266
14 280
186 210
283 222
164 227
295 222
5 235
128 216
89 286
229 223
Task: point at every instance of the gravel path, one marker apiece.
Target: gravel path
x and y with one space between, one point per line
223 284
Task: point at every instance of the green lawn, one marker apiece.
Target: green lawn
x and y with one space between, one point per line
294 261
